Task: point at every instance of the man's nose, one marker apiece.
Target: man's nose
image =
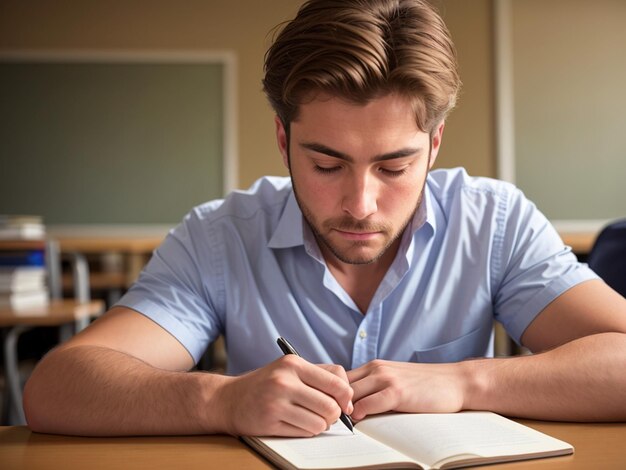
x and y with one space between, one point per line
360 196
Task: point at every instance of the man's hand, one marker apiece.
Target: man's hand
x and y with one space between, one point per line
288 397
381 386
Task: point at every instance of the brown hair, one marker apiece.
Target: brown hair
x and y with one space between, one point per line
360 50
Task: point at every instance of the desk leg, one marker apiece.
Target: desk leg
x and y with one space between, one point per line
68 330
13 381
136 263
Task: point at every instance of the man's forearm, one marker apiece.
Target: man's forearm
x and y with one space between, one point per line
88 390
583 380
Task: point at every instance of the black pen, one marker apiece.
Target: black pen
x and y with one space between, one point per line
287 348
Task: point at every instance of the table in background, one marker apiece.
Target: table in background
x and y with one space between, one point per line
596 446
15 322
129 247
581 242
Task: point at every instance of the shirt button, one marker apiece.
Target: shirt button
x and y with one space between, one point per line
362 334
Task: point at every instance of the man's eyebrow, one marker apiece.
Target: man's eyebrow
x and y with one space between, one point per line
401 153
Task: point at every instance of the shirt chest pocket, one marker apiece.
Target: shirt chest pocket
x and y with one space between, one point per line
476 343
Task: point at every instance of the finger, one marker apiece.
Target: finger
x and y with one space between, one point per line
340 372
317 402
305 385
365 386
376 366
335 370
328 383
304 421
375 394
289 430
379 402
358 373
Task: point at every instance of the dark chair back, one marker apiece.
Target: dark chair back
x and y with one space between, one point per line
608 255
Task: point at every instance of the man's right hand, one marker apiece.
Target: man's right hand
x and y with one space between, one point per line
288 397
111 380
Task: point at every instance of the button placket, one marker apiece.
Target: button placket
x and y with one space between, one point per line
366 338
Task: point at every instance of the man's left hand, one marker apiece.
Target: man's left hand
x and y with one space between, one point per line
380 386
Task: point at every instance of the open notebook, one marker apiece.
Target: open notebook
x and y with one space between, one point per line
407 440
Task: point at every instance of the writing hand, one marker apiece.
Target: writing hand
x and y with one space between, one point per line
288 397
380 386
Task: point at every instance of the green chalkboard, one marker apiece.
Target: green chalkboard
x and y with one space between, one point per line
106 143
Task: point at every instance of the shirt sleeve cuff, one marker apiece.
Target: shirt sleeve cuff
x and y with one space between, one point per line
167 321
547 295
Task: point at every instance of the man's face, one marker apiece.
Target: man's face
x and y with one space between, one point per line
358 173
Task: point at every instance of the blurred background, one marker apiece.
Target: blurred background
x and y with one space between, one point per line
117 117
127 112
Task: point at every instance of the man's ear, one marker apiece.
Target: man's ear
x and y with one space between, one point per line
282 140
435 143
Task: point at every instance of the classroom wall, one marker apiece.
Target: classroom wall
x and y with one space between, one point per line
469 139
569 71
243 26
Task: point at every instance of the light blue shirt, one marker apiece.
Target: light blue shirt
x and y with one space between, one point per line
248 267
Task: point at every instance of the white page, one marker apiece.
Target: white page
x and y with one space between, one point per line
434 437
335 448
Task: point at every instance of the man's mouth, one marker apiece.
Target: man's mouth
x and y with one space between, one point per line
357 236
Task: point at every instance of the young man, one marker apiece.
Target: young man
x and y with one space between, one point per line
366 261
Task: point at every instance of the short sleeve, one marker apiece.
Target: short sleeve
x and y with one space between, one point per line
531 265
173 289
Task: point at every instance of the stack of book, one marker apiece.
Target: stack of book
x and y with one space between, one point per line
22 262
22 227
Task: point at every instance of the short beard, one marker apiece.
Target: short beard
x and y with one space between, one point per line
349 224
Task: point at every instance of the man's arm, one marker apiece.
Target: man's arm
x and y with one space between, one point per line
578 373
125 375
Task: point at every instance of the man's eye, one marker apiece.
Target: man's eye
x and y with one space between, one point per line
392 173
325 170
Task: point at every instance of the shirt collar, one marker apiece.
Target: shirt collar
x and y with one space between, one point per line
288 232
424 215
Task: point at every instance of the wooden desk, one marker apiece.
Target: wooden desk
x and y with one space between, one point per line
21 449
596 446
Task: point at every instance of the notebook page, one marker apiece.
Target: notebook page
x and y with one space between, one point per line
433 438
335 448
